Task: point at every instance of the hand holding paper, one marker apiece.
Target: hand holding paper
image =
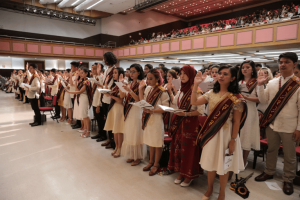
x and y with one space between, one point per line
143 104
120 86
105 90
170 109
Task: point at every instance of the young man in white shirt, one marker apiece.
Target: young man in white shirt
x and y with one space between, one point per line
281 119
33 92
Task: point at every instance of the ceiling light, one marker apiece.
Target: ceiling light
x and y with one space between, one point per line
94 4
74 3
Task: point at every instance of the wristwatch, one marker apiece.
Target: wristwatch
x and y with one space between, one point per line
234 139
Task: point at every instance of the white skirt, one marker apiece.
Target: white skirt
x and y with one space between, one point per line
81 111
154 131
67 101
115 119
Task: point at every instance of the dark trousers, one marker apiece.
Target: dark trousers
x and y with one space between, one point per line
26 99
57 109
97 117
22 93
42 99
78 122
103 115
35 107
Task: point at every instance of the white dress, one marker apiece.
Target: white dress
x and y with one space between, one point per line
154 131
81 111
250 133
67 101
115 118
133 144
213 153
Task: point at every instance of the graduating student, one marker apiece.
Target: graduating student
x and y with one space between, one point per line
53 84
42 91
61 94
67 102
133 144
147 68
266 72
152 119
33 92
115 116
185 155
73 85
220 134
250 133
281 120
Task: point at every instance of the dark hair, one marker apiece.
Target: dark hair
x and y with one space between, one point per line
68 70
298 66
215 66
254 72
165 70
85 70
149 66
127 69
120 71
138 68
53 70
234 85
173 73
258 65
34 66
156 73
75 64
209 66
274 73
176 69
110 59
41 70
161 65
289 55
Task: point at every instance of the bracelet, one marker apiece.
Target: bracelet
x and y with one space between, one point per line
185 114
195 92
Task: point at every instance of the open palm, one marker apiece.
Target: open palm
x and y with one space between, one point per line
199 78
261 79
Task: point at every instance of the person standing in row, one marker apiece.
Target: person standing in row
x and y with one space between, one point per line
53 84
42 90
73 85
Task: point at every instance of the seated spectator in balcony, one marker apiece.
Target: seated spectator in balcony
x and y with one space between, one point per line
285 17
153 36
228 26
158 37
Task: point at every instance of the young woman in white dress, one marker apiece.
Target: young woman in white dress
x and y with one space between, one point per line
152 119
250 133
67 97
266 72
213 152
133 147
83 99
115 116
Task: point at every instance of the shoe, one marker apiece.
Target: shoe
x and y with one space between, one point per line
86 136
36 124
136 162
205 198
148 167
31 123
263 177
108 147
183 184
115 151
153 172
177 181
105 143
76 126
117 154
96 136
56 117
81 131
129 160
288 188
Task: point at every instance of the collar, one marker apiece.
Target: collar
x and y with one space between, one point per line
287 78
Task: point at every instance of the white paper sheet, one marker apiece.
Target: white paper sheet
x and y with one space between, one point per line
170 109
120 86
143 104
94 81
207 85
104 90
177 83
273 185
24 84
227 160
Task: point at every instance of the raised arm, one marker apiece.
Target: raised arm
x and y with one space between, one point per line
194 100
263 94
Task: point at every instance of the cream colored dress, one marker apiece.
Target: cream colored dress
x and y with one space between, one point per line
213 153
81 111
115 118
154 131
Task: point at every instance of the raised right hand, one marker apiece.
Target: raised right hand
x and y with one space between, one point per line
199 78
261 79
27 66
142 84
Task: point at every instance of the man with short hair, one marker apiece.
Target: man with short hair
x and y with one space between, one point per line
281 120
53 84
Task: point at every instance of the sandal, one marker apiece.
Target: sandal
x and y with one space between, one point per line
117 154
129 160
85 135
153 172
115 151
148 167
82 133
136 162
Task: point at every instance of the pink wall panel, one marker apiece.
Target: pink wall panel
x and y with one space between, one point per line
198 43
212 41
165 47
175 46
133 51
79 52
33 48
155 48
139 50
115 52
264 35
186 44
244 37
89 52
45 49
227 40
69 50
147 49
99 53
19 47
120 52
288 32
4 46
57 50
126 52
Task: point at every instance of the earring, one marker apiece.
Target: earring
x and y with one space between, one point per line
156 83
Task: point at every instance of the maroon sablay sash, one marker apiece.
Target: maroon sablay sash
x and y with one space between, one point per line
152 98
282 97
55 77
88 91
32 77
115 94
61 91
94 87
251 84
130 99
25 79
110 76
218 118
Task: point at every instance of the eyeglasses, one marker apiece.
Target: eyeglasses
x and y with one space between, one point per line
132 72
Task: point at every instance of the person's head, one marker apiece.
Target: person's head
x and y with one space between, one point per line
209 70
266 72
40 72
127 73
247 69
94 70
136 72
147 68
20 72
177 70
161 65
74 66
187 75
154 78
287 63
227 78
109 59
53 71
206 70
33 68
258 66
171 75
84 72
67 72
215 72
297 70
59 72
163 71
117 72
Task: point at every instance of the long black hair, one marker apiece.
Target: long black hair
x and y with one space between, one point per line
254 72
138 68
120 71
165 70
234 85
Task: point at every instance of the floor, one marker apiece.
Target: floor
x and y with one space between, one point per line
51 162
